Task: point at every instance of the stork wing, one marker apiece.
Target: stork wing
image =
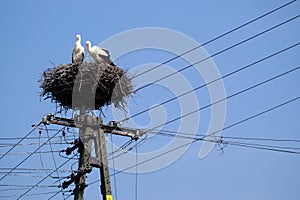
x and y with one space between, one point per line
82 57
102 51
106 52
73 56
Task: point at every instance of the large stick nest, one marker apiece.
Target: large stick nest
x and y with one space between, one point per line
77 85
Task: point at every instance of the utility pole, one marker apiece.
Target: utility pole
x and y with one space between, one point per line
100 149
84 154
91 128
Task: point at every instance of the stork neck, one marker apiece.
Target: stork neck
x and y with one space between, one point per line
77 43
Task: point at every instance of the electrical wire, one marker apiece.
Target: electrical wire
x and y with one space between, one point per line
220 36
220 52
130 148
261 113
130 167
230 96
36 150
190 135
31 188
194 139
25 175
36 194
184 135
247 145
190 142
213 81
40 154
121 148
21 140
28 138
29 144
26 153
56 193
252 145
54 161
62 190
268 148
26 186
221 139
30 170
5 145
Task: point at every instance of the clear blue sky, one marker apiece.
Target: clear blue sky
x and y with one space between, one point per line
34 32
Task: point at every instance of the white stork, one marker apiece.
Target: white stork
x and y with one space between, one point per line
78 51
98 54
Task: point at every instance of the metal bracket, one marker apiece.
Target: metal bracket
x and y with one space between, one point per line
75 178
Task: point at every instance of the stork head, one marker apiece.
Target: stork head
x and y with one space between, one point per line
88 45
78 38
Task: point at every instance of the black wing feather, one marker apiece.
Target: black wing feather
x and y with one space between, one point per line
82 57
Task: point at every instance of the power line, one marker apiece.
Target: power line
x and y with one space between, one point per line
188 143
121 148
24 153
167 152
262 139
252 145
45 177
36 194
213 81
31 170
27 175
240 122
230 126
20 163
219 52
202 136
54 161
26 186
56 193
4 145
194 139
28 138
263 148
17 143
129 148
261 113
233 95
191 136
221 140
220 36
